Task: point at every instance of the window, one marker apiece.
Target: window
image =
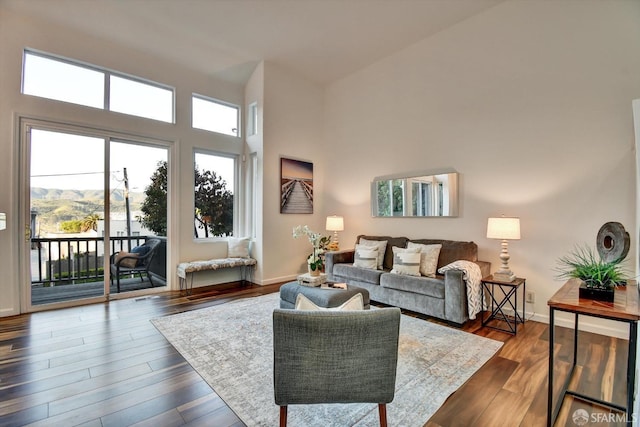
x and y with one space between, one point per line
62 81
66 80
252 119
254 195
390 197
140 99
214 195
215 116
422 196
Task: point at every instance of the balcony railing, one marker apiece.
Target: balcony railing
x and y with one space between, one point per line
73 260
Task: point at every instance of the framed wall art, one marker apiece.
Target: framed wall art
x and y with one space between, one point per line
296 186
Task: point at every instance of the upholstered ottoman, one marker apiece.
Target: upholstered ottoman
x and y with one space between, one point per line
321 297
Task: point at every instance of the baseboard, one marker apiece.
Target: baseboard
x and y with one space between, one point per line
6 312
278 280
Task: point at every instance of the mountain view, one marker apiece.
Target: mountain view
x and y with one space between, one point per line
54 206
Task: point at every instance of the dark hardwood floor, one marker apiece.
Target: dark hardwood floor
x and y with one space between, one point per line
106 365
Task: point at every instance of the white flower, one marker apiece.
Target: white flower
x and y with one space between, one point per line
316 240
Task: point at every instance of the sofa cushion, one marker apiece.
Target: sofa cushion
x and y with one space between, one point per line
416 284
452 250
365 257
429 255
381 247
349 272
140 251
400 242
406 261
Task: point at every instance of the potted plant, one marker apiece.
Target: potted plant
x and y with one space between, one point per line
599 278
319 243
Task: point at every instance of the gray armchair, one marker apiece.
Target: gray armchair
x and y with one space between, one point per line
335 357
140 263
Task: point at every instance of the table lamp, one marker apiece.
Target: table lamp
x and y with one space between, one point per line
505 229
334 223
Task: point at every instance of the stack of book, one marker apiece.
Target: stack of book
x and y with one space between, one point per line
307 279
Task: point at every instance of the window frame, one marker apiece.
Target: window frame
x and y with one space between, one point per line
223 103
252 119
143 81
236 192
107 73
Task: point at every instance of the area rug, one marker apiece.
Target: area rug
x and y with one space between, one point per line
231 347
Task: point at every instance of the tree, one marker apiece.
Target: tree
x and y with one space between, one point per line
213 204
154 206
384 202
390 200
90 222
71 226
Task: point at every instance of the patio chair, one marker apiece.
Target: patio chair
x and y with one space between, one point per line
335 357
136 262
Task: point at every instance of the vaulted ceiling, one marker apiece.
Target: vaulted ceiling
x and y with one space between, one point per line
323 40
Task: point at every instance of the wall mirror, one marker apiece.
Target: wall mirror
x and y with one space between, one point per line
415 195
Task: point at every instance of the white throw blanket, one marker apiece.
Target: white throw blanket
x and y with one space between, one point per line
473 278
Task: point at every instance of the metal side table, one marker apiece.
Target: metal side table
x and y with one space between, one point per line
509 298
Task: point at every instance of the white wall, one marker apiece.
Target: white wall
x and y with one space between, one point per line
529 101
289 125
293 113
18 32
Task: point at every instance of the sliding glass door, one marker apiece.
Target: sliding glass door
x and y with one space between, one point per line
92 199
137 215
66 193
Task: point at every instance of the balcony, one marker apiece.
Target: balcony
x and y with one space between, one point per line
65 269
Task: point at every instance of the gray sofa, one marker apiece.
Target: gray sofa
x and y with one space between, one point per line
443 297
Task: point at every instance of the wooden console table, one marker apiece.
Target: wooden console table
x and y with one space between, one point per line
625 308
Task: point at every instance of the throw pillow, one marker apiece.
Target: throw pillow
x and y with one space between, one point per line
238 247
366 257
380 244
140 251
428 258
406 261
128 262
353 303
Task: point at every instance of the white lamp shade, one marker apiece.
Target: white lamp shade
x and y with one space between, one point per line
503 228
335 223
3 221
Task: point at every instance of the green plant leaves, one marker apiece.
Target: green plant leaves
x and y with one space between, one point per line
581 263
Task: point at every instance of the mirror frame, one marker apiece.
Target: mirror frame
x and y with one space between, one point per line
445 195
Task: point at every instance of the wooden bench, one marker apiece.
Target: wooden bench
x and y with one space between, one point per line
186 269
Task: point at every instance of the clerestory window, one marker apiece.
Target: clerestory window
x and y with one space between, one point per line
215 116
62 79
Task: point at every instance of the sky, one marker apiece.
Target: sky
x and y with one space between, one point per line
296 169
66 161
